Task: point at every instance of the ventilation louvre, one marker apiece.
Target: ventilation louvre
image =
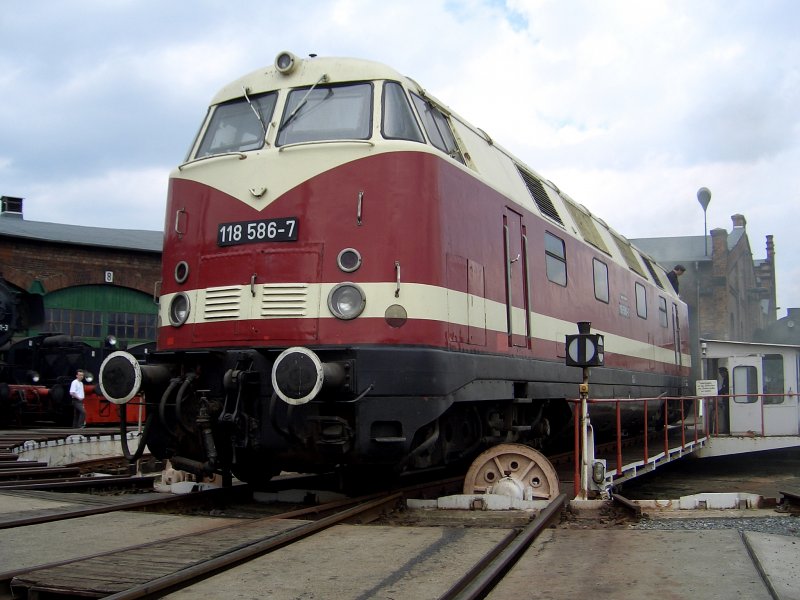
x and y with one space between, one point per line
539 195
587 227
284 300
627 253
653 272
222 303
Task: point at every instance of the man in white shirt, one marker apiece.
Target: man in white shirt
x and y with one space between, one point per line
76 391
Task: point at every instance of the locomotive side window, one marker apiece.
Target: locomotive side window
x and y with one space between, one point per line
234 127
662 311
641 301
600 280
398 118
555 258
437 128
327 113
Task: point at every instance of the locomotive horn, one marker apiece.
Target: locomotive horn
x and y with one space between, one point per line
122 377
298 375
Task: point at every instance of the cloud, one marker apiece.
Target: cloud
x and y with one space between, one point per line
628 106
133 199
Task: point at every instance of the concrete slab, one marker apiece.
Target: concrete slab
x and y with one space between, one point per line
23 547
14 503
630 565
356 562
779 556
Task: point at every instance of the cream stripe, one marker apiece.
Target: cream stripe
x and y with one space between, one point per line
421 301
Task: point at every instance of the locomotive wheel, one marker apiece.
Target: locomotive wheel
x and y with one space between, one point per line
512 470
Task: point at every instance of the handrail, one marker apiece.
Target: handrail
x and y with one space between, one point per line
703 418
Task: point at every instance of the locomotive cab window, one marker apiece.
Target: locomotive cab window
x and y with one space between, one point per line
662 311
438 128
398 118
234 127
641 301
600 280
556 259
322 113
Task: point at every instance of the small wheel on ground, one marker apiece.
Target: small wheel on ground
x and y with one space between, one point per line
512 470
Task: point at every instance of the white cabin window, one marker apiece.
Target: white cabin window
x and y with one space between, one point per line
398 121
341 112
641 301
234 126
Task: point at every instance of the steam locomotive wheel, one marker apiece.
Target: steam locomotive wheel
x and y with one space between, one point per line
513 470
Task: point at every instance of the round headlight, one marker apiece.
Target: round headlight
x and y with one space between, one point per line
285 62
346 301
34 376
349 260
179 309
88 377
181 271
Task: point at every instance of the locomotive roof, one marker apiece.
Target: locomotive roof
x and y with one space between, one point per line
574 218
127 239
308 71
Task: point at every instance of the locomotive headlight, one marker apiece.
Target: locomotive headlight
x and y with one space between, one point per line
346 301
88 377
179 309
34 376
285 62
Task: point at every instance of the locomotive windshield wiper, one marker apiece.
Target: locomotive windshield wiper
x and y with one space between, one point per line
302 102
255 111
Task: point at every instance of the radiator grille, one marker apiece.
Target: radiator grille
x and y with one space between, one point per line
223 302
284 300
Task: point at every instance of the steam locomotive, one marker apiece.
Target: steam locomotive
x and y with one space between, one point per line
36 371
356 277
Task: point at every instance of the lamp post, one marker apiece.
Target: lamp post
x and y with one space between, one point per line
704 198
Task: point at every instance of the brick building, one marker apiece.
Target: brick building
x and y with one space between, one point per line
730 295
88 282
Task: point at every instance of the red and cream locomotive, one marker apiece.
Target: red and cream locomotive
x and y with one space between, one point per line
353 275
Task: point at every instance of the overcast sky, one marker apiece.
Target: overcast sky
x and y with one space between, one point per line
629 106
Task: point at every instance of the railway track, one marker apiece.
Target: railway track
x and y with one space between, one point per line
155 569
181 561
484 576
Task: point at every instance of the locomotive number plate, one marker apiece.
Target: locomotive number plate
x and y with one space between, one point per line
266 230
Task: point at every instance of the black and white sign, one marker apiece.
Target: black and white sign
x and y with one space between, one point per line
250 232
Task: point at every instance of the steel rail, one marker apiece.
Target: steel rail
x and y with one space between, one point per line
81 483
486 573
132 505
629 504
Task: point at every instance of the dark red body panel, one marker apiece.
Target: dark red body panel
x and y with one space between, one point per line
446 229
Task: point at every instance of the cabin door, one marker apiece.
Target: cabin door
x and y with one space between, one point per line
516 275
758 404
745 386
780 410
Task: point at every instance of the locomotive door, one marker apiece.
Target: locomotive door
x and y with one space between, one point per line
676 335
516 274
745 403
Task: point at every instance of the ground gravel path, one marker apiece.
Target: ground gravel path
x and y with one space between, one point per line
777 525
